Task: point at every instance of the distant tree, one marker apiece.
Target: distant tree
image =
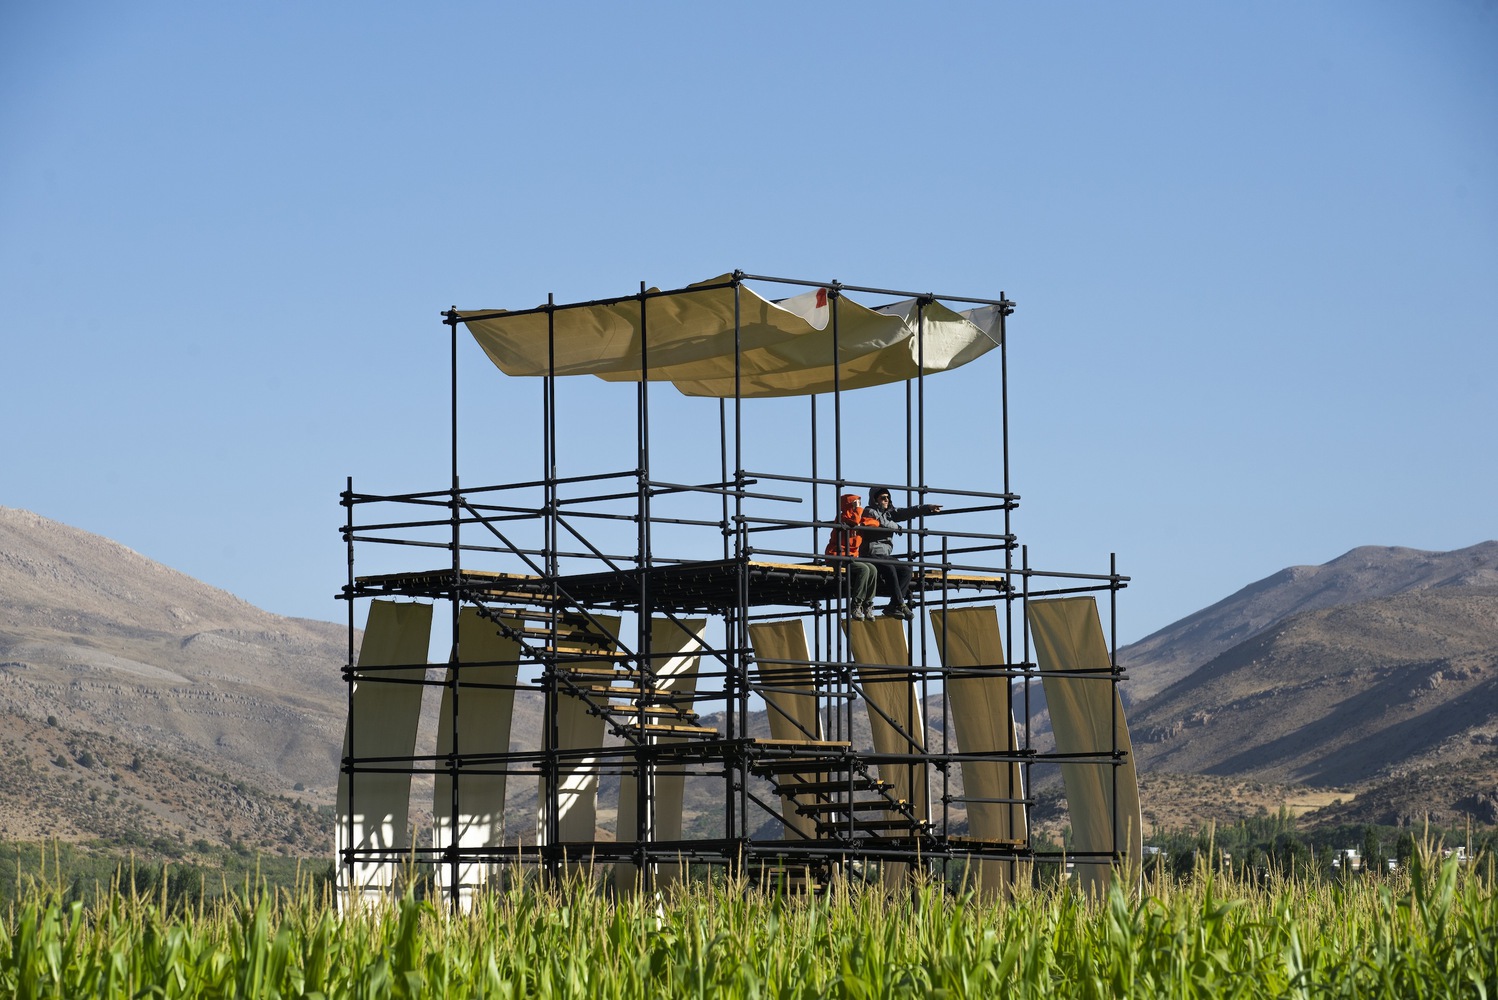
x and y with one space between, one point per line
184 887
1404 849
1373 851
1289 853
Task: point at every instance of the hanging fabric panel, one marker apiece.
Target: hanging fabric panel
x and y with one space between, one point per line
1087 717
483 722
968 639
382 723
895 722
786 683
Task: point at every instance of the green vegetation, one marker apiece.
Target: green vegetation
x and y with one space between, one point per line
1429 932
1256 848
191 875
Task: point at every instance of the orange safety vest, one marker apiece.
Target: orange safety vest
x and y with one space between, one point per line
845 541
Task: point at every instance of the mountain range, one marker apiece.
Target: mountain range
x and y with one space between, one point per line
1375 673
135 699
137 703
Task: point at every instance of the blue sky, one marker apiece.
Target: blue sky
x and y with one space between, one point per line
1254 248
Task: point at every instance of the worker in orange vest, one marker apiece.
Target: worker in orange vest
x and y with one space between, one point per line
844 547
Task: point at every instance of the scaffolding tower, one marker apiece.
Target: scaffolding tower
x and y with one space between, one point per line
657 661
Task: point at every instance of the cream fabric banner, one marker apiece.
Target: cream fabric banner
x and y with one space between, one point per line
382 723
792 706
968 638
484 716
577 784
785 348
1085 715
680 642
884 675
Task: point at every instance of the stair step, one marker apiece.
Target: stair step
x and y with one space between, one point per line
673 730
569 633
649 694
567 622
563 620
597 670
875 825
830 787
800 765
788 882
615 708
984 842
862 805
783 866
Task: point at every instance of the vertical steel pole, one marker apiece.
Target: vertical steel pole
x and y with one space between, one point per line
1008 544
723 466
1026 769
347 858
834 294
551 734
645 786
549 424
917 725
455 654
821 633
1116 705
946 700
738 693
844 683
551 690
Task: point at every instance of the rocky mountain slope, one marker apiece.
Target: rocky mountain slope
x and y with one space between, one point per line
1340 695
110 658
1392 698
1364 574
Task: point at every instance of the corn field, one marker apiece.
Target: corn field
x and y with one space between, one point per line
1431 933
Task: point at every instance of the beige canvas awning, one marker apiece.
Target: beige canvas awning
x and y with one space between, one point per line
783 348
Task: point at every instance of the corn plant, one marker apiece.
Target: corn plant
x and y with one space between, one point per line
1432 934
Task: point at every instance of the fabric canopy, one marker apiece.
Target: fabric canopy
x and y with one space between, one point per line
784 348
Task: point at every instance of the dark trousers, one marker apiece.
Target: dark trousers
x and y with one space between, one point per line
894 578
860 581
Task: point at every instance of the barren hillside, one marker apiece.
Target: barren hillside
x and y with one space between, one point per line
1394 700
1364 574
105 648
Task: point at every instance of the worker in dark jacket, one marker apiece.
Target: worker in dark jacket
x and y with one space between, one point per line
879 545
